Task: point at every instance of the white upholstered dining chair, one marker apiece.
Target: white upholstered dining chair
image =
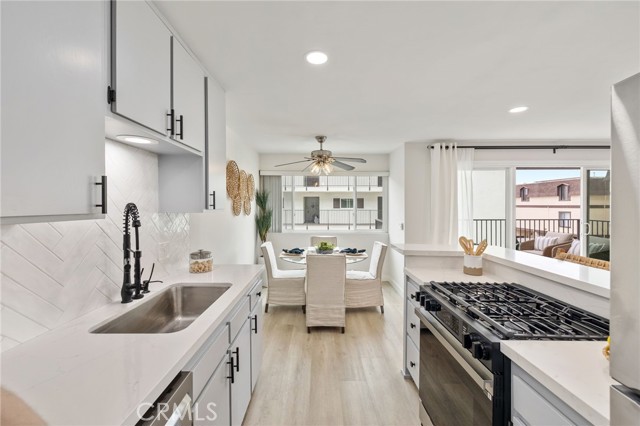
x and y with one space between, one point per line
325 290
364 288
317 239
285 287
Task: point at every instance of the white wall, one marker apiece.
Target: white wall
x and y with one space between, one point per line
55 272
395 261
232 239
417 200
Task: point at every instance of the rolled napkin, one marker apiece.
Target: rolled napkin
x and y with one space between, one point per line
352 250
293 251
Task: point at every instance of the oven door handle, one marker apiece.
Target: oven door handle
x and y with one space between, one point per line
465 360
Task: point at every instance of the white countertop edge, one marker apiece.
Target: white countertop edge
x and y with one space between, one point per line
61 410
582 407
434 250
584 278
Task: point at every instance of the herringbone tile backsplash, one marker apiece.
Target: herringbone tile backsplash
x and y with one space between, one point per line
55 272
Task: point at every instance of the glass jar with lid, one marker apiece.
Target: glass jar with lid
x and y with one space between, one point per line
200 261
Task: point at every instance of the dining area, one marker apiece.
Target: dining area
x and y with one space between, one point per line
327 284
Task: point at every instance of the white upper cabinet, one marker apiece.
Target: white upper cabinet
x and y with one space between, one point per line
141 65
188 98
216 150
53 97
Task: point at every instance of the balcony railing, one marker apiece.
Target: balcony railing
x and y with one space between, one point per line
327 182
494 230
332 219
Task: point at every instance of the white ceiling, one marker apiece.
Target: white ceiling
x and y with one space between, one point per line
412 71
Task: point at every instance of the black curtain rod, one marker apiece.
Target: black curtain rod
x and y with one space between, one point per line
552 147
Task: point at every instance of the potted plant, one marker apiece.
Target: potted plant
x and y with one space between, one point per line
263 215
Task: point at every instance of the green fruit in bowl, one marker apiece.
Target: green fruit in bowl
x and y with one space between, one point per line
325 247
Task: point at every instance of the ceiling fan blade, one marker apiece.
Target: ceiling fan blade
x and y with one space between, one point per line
342 165
353 160
294 162
309 165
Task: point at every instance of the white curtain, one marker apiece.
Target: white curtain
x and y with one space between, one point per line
451 193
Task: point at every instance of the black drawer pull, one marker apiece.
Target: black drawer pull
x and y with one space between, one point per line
213 200
412 325
172 116
237 352
259 294
103 196
413 296
255 318
232 376
181 121
412 364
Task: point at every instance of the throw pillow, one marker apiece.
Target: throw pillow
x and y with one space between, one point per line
575 248
541 243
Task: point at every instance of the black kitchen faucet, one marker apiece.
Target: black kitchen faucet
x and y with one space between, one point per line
136 289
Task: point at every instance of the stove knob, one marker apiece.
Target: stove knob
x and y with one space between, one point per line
432 305
480 350
468 339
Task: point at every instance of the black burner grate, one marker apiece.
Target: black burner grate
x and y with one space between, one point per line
516 312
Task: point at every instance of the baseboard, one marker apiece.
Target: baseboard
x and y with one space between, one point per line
397 287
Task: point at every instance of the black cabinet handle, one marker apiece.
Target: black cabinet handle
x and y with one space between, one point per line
103 197
181 121
232 376
255 318
412 325
172 119
259 293
413 296
213 200
412 364
237 352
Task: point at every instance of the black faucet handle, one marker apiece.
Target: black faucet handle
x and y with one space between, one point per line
145 283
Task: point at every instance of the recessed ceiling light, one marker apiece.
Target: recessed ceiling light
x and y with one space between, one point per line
518 109
137 139
316 57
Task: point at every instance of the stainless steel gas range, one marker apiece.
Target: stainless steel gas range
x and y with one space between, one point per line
464 378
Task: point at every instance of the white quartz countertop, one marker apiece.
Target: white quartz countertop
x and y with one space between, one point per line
72 377
585 278
426 249
425 275
576 372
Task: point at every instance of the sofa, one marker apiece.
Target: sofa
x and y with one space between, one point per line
541 247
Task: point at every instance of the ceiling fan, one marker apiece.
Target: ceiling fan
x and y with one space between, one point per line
322 161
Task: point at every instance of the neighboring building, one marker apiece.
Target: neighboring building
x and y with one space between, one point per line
557 200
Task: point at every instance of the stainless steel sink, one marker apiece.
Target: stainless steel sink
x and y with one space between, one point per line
174 309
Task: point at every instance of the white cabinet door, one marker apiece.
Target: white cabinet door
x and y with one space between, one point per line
53 97
240 351
216 148
256 341
188 98
213 407
141 55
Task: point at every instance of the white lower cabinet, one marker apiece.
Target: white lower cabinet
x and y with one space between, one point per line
255 320
213 407
533 404
411 332
240 352
224 373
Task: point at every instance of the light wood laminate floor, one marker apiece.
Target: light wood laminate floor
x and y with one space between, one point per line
329 378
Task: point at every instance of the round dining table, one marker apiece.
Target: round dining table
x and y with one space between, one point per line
301 259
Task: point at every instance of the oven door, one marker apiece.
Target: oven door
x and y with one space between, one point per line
455 389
